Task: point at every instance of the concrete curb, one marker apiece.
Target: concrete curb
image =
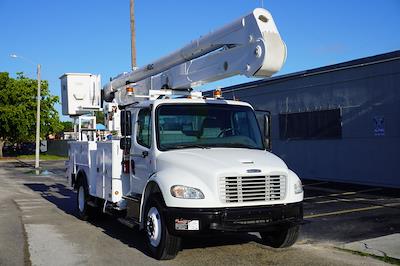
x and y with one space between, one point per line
385 246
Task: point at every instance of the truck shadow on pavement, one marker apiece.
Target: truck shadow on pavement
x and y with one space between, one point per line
65 199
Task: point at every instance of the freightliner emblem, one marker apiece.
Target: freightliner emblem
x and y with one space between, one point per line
253 171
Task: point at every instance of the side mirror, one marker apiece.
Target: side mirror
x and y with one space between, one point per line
126 123
267 130
264 121
125 143
122 122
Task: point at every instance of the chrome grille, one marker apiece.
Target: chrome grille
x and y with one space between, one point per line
252 188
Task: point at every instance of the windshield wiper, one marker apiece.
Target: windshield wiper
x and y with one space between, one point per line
188 146
238 145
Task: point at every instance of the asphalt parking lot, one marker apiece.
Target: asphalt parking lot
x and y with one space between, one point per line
38 217
342 213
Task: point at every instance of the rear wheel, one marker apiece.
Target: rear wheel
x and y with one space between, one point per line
82 202
161 244
85 211
284 237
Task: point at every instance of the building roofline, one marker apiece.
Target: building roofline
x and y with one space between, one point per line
375 59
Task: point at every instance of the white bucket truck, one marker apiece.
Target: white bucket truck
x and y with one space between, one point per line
183 164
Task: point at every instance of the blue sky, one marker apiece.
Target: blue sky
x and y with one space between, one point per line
93 35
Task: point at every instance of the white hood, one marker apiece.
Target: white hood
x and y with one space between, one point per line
221 161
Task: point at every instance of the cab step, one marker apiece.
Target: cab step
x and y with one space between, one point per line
131 223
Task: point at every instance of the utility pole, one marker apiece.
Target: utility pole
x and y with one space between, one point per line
38 120
133 38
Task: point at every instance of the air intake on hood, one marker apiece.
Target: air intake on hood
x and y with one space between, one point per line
252 188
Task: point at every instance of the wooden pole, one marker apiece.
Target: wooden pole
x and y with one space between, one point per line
133 38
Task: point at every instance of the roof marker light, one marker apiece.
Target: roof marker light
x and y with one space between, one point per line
130 90
218 93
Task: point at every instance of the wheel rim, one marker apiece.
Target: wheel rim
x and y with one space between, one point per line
153 226
81 199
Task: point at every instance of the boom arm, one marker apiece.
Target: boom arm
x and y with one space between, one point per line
249 46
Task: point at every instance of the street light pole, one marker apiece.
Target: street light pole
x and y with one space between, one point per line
37 152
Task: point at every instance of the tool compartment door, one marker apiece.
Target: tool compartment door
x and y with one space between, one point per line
82 156
108 177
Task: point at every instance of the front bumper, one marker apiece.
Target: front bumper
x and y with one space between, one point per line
240 219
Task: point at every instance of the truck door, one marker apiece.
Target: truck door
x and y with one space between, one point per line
142 165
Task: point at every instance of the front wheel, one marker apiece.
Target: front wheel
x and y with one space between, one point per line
161 244
282 238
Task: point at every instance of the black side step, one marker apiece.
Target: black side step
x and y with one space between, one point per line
128 222
135 197
92 204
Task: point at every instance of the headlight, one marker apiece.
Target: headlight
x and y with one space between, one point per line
184 192
298 187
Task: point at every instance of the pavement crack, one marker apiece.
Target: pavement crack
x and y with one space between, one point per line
374 249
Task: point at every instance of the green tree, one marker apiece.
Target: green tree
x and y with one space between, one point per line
99 117
68 126
18 109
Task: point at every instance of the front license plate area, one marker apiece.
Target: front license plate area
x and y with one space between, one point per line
187 225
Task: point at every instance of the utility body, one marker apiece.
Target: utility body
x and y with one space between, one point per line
182 164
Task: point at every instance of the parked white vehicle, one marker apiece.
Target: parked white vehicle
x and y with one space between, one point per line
183 164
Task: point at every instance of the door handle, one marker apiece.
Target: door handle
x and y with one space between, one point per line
143 154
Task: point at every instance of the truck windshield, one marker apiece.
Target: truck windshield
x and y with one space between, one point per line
206 126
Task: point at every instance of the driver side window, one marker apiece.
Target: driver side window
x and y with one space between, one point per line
143 132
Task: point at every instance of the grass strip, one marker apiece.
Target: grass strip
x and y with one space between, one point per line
44 157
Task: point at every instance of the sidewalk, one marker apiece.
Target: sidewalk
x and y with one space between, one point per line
56 167
385 246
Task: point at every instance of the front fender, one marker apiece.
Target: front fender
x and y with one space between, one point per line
164 180
161 183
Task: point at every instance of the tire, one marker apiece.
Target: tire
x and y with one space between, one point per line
282 238
161 244
85 211
82 201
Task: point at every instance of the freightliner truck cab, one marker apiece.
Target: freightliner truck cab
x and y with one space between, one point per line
203 166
